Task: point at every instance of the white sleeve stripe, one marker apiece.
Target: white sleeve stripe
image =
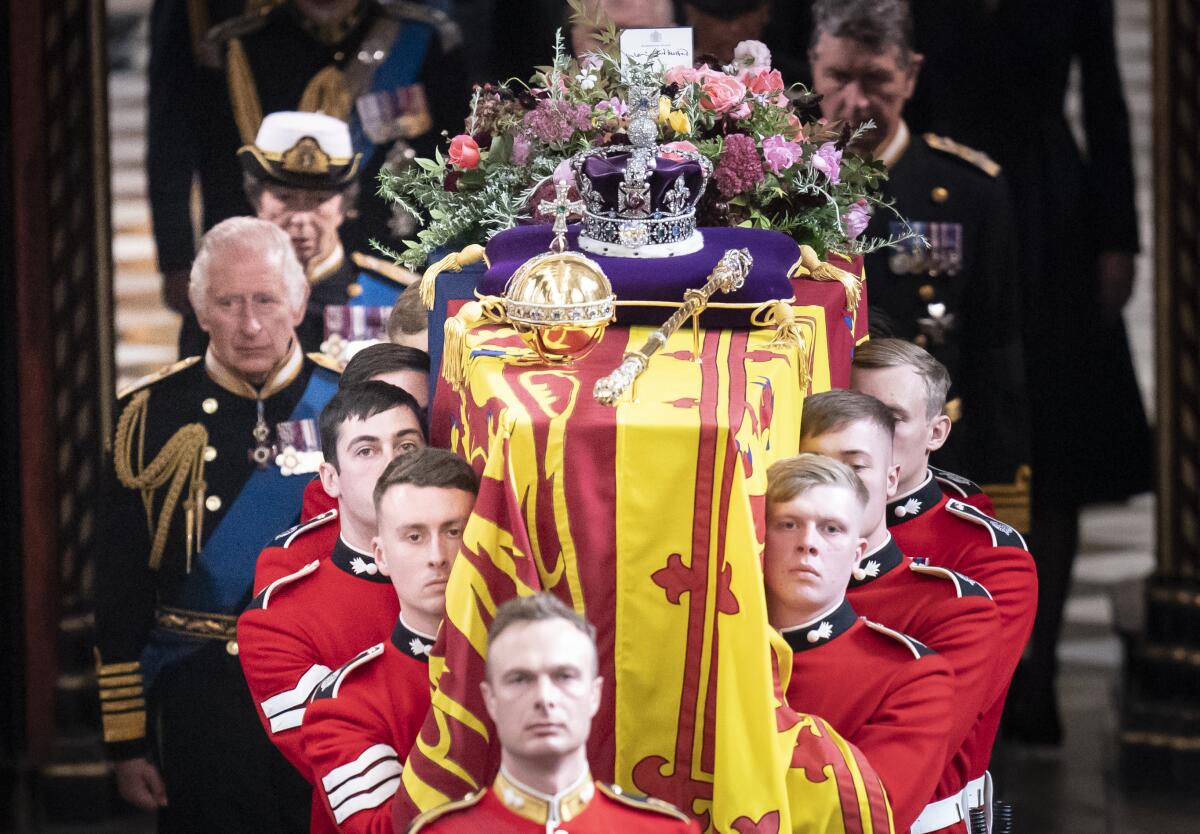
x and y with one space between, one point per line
349 770
382 772
297 695
367 800
288 720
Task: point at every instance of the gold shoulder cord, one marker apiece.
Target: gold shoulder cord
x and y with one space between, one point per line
181 461
247 109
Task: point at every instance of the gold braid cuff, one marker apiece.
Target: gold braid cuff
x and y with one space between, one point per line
453 262
811 267
180 462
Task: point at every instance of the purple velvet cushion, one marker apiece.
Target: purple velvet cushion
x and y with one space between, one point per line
662 279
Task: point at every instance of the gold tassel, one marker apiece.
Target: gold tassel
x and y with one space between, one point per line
247 109
811 267
326 93
453 262
180 461
455 348
788 333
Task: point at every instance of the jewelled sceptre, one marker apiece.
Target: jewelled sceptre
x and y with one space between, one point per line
728 275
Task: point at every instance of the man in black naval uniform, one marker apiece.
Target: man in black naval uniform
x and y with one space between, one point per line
389 68
958 297
301 175
194 495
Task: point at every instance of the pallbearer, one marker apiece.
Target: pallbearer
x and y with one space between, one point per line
951 613
302 625
948 531
887 693
365 716
541 690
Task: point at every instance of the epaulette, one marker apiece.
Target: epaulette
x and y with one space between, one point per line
386 269
264 597
643 803
326 362
289 535
1003 535
918 649
964 487
444 809
979 159
448 31
329 686
965 586
161 373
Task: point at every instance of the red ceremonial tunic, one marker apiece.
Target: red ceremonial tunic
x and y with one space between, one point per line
296 547
316 501
304 625
884 692
951 483
951 614
359 727
953 534
508 807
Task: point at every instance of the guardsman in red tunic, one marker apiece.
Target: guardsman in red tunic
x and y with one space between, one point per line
951 613
363 718
946 531
541 690
303 625
887 693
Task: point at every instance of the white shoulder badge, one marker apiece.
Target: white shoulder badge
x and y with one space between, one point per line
264 598
918 649
1003 535
965 586
289 535
329 687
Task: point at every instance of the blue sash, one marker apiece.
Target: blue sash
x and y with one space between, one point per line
401 68
376 291
223 572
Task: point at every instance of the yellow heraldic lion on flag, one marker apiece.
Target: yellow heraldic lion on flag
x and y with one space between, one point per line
645 518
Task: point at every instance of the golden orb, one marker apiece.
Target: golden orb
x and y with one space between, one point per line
560 303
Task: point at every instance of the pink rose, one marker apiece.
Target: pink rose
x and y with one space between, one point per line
765 82
828 160
464 152
722 92
752 54
742 111
794 128
856 218
681 145
780 154
681 75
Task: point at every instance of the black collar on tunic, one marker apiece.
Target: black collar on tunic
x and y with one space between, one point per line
822 630
412 643
356 563
877 563
921 500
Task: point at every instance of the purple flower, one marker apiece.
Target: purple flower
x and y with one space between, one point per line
739 169
552 122
520 149
780 154
856 218
828 160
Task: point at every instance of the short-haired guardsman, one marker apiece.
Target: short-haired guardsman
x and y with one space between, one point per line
195 492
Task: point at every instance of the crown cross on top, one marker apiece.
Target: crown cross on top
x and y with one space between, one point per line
561 207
